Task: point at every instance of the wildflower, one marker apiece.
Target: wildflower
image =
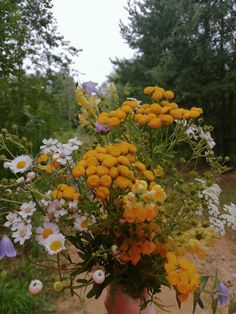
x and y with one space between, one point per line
90 88
169 94
35 287
44 232
83 222
56 208
11 219
22 233
58 286
63 154
55 243
101 128
74 143
49 145
99 276
6 248
21 164
102 192
223 294
27 209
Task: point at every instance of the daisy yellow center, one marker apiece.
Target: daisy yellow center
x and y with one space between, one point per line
85 223
56 246
46 233
21 164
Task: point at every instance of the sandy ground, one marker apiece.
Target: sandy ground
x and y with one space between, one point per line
222 256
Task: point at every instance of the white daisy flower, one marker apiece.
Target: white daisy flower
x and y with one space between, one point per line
74 143
12 218
55 243
44 232
49 145
21 164
22 233
82 222
63 154
27 209
73 204
56 208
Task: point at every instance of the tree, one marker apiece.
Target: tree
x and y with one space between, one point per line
34 63
187 45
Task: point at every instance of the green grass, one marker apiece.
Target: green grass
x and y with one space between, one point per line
14 295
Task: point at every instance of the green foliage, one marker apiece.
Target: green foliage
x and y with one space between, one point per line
190 47
36 89
14 295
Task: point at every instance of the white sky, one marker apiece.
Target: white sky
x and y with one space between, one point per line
93 25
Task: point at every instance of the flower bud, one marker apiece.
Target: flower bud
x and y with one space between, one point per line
35 287
114 249
58 286
99 276
7 192
30 175
6 164
20 180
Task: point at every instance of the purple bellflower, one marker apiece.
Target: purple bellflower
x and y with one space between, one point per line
90 88
101 128
223 294
6 248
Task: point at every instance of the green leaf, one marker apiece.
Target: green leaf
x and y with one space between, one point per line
197 293
214 305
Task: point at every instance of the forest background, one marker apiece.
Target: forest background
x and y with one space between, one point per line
187 46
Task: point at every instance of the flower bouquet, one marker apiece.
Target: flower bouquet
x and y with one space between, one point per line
131 199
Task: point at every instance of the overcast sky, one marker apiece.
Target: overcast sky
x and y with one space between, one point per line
93 25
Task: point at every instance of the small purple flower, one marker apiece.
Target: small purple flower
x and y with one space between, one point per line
101 128
90 88
6 248
223 294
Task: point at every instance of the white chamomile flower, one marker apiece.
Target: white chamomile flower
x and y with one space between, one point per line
74 143
11 218
27 209
73 204
49 145
21 164
22 233
82 222
55 243
44 232
63 154
56 208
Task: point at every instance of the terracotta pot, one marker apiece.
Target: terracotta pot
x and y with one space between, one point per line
118 302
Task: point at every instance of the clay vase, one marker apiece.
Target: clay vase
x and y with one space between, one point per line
118 302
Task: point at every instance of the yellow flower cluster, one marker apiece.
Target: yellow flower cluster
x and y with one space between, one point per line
88 105
140 204
64 191
115 117
103 165
163 112
182 274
